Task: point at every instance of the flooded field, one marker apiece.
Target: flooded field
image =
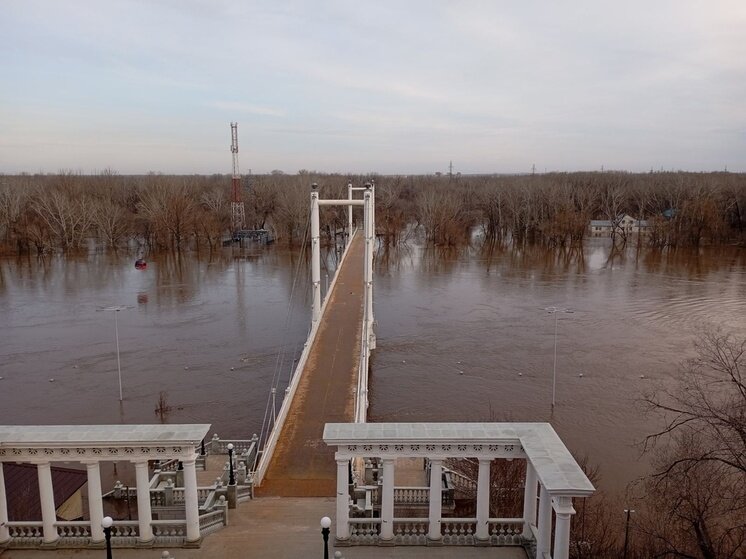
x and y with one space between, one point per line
462 335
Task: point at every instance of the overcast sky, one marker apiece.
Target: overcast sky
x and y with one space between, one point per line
353 86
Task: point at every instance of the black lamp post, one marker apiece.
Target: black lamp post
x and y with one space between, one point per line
326 522
106 524
231 477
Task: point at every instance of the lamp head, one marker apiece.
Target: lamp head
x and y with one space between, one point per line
107 522
230 446
326 522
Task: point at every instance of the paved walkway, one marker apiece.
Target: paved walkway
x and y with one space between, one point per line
302 465
278 528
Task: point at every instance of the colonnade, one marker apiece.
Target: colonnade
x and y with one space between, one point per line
91 445
95 502
552 479
562 507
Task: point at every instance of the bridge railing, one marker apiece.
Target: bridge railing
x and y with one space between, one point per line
361 395
269 447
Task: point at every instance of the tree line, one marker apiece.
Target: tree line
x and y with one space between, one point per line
42 213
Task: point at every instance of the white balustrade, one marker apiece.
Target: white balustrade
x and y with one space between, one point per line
458 531
411 531
506 531
365 530
411 496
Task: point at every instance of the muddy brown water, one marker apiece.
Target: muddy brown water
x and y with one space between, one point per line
462 336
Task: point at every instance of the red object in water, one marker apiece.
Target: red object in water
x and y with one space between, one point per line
140 264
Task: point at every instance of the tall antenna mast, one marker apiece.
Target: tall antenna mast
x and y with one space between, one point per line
238 216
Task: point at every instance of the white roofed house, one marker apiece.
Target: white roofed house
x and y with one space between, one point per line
623 225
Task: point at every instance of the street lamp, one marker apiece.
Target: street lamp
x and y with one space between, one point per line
106 524
231 478
326 522
116 310
555 311
626 530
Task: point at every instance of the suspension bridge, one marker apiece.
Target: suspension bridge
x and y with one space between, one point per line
330 381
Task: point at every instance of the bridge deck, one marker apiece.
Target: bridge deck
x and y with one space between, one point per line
302 465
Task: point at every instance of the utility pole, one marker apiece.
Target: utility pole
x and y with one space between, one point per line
626 531
533 169
238 217
450 169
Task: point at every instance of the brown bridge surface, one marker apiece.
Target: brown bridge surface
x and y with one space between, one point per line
302 465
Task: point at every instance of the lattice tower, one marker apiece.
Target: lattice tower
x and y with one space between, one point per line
238 216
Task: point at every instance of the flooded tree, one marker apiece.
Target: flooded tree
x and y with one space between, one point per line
695 502
63 211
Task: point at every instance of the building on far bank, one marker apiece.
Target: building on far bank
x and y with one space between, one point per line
624 224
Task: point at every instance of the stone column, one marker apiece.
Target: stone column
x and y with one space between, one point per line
144 514
46 495
436 499
529 500
545 522
483 500
191 501
343 499
4 532
95 501
563 513
387 500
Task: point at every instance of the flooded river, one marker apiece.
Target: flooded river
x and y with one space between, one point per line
463 335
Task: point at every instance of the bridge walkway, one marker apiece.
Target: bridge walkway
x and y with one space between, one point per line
302 465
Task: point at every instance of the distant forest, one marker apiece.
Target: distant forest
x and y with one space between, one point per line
64 211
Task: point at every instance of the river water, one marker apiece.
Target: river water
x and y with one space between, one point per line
463 335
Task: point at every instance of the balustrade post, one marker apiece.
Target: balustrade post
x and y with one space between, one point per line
168 493
543 543
46 495
436 499
483 501
563 513
387 501
144 514
95 501
191 501
529 500
343 500
4 532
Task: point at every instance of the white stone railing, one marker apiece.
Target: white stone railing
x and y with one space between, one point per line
244 493
213 521
408 496
124 533
25 530
75 529
506 531
458 531
410 531
240 446
461 482
364 531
